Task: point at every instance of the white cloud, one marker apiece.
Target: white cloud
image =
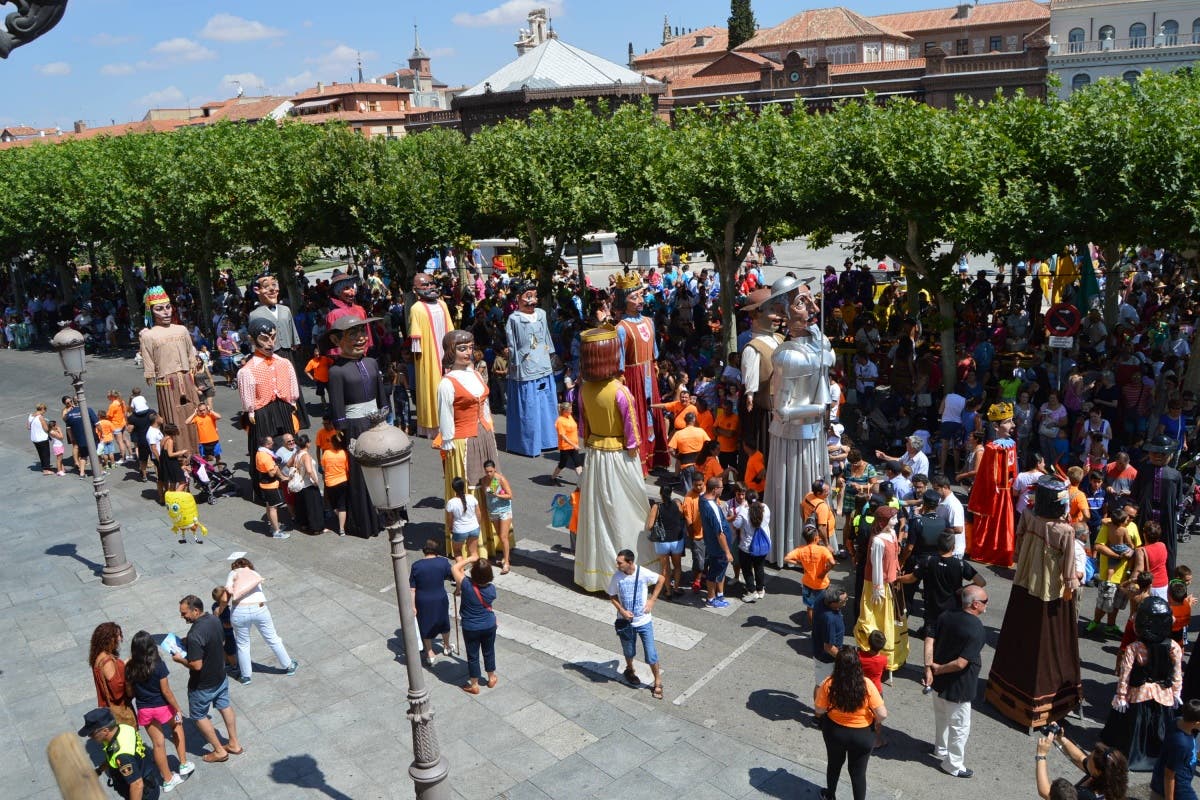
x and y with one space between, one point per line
181 49
55 69
110 40
170 96
442 52
510 12
228 28
295 83
117 70
249 82
341 60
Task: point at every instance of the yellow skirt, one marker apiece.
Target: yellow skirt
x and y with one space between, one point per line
882 616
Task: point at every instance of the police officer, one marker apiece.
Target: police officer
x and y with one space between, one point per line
924 530
855 540
131 769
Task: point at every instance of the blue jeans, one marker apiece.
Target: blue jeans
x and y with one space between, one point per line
246 616
629 639
475 641
199 700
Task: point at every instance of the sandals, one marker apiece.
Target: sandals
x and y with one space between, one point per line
213 758
492 681
505 570
657 692
471 688
632 677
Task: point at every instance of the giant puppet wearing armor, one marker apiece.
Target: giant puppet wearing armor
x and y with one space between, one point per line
268 388
800 399
1158 490
428 323
639 352
168 357
287 338
991 537
612 494
356 398
1035 676
532 403
465 432
756 364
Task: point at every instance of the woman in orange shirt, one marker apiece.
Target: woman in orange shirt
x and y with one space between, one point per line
848 706
336 465
116 415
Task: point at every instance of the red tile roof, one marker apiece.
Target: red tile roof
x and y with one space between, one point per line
353 116
142 126
341 89
917 22
685 45
244 109
738 79
822 24
876 66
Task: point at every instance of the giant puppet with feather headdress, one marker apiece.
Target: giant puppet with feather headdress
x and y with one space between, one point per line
168 357
992 539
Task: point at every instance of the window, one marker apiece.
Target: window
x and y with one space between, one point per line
889 52
872 51
930 45
995 44
1196 31
1108 32
590 248
962 47
1137 34
842 53
1170 31
1075 40
1131 77
1079 81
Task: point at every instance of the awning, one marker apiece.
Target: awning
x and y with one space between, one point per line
318 103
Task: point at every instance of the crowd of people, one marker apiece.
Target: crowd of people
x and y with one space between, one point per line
831 433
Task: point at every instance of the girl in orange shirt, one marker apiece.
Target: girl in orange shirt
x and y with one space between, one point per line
116 415
336 466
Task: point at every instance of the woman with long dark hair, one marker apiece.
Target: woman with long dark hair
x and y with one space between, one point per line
108 671
670 550
750 517
150 685
848 707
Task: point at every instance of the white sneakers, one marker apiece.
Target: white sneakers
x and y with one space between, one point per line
170 785
186 768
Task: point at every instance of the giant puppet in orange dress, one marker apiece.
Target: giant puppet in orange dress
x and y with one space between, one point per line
992 539
639 352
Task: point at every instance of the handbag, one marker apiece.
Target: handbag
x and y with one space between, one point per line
760 544
121 711
624 627
657 532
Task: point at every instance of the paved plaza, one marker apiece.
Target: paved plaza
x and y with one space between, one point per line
561 724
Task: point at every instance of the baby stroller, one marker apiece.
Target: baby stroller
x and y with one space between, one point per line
213 481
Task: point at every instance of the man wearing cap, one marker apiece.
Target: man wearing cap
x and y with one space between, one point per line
268 389
287 338
168 357
1157 490
532 400
343 294
765 316
130 767
428 323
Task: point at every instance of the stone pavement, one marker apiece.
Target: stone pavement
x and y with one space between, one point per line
338 727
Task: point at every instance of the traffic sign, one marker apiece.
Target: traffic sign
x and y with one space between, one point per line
1063 319
1062 342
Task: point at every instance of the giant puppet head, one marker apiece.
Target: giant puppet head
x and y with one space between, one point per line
268 290
458 347
349 334
343 286
631 293
262 333
425 288
158 304
527 296
800 310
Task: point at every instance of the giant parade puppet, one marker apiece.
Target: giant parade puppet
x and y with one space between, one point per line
765 309
268 389
168 358
287 338
612 494
639 355
428 323
532 401
991 537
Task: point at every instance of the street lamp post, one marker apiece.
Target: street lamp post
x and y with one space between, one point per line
117 569
384 453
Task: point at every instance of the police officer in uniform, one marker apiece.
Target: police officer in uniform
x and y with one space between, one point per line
855 540
130 765
924 529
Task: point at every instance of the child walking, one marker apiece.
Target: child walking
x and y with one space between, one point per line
568 443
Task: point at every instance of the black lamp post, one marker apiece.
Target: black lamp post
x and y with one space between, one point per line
117 569
384 452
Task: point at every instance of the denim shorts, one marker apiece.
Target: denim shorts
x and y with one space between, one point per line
199 700
629 641
668 548
210 449
459 538
811 596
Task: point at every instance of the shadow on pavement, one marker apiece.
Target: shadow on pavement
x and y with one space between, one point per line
781 783
303 772
777 705
71 551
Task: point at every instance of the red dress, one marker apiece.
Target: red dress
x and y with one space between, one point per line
639 349
991 539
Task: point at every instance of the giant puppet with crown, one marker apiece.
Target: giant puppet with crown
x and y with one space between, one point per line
639 354
168 358
991 539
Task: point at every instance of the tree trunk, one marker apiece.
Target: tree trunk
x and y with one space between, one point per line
66 278
726 260
204 280
1112 283
945 307
283 261
136 321
584 294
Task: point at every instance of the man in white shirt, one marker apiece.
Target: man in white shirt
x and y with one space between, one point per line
865 376
950 510
285 454
627 591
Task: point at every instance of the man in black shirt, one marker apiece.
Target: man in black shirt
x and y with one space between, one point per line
942 578
208 685
952 662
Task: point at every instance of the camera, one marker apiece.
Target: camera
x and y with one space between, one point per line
1053 729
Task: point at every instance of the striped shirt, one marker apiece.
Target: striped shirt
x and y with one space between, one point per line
262 380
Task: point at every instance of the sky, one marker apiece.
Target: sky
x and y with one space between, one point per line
111 60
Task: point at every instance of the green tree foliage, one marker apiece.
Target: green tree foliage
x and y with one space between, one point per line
741 22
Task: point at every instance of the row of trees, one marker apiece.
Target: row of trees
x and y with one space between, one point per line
1016 177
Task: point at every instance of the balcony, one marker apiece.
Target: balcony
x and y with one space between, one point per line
1137 43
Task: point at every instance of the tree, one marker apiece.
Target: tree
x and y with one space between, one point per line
742 24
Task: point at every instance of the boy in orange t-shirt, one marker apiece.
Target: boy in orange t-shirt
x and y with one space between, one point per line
691 515
205 420
728 428
264 463
106 446
816 561
568 442
317 368
755 473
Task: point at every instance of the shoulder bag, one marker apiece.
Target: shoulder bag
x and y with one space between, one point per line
658 533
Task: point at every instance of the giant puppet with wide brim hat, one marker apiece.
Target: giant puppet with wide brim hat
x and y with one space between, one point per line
991 538
799 410
1035 676
428 323
639 353
766 307
268 388
356 400
343 300
168 358
1158 492
612 493
532 398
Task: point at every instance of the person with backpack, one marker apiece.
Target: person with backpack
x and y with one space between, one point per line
753 526
668 531
816 510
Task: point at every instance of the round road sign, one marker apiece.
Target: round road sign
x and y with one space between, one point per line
1063 319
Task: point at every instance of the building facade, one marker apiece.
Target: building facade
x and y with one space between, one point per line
1094 39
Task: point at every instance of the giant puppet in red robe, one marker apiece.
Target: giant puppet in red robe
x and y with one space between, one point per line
992 539
639 352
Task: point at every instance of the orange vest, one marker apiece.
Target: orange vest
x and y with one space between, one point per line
468 411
